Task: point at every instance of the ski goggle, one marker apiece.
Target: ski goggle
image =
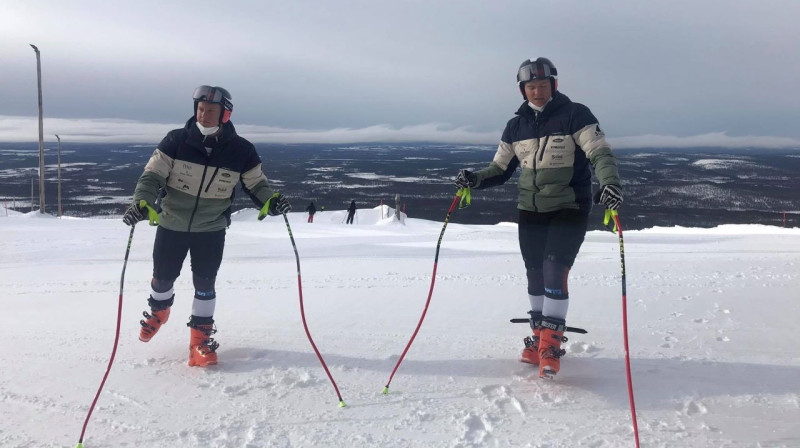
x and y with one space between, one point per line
536 70
213 95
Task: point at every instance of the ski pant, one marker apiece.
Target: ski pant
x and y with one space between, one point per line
350 217
549 243
205 250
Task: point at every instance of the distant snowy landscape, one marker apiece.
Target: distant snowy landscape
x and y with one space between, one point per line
711 313
693 187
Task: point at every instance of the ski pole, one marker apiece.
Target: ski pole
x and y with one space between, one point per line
116 341
618 227
464 195
300 291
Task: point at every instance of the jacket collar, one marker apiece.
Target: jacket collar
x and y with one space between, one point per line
196 139
559 100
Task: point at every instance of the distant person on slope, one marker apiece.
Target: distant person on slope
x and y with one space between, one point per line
555 142
196 169
311 209
351 212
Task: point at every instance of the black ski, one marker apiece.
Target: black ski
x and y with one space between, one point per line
525 320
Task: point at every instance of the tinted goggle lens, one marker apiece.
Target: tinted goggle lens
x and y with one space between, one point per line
208 93
533 71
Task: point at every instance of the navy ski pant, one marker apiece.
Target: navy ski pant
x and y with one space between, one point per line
205 250
549 243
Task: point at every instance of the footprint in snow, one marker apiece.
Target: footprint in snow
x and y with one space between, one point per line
668 341
501 397
477 429
693 408
233 391
299 379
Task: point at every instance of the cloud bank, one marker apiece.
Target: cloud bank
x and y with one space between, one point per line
26 129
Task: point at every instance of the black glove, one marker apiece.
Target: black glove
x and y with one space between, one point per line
279 206
466 179
610 196
133 215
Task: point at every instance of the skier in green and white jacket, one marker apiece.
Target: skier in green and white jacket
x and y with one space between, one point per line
555 142
194 171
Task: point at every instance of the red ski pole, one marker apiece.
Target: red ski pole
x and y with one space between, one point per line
261 216
464 195
116 342
613 214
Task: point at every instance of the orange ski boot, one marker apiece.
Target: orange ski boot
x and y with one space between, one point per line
202 348
530 354
151 323
550 351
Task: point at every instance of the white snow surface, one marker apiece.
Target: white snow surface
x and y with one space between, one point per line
711 314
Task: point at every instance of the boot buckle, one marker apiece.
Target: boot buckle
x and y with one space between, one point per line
531 341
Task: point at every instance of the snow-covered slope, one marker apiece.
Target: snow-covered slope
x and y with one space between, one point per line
712 317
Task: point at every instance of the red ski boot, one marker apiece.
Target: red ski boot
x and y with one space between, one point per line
151 323
550 351
202 348
530 354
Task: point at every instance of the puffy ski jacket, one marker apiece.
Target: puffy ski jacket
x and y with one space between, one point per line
555 148
199 185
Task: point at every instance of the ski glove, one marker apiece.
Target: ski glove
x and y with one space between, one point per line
466 179
610 196
134 214
279 206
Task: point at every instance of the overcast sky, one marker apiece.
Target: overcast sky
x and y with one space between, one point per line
723 71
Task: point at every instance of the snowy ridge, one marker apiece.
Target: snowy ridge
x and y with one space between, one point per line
711 315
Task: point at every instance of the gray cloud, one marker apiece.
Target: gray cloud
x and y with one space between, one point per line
682 68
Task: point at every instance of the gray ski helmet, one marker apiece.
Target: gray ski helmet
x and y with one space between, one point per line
541 68
214 94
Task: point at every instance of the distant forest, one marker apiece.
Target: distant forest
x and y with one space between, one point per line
701 187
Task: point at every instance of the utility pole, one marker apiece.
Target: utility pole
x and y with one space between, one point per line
59 175
41 130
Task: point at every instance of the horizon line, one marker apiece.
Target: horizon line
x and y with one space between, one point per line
19 129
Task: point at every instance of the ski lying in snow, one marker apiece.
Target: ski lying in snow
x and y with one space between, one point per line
525 320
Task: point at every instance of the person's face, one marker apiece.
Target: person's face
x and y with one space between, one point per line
208 113
538 92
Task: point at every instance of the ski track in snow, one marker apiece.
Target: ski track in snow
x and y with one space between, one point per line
713 354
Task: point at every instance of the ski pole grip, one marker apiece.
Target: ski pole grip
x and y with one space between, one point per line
610 214
265 209
152 214
466 197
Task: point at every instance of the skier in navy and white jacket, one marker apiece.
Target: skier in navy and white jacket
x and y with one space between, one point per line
555 142
192 174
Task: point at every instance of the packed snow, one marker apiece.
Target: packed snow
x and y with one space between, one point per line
711 313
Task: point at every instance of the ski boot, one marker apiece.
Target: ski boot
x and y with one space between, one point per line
152 322
550 351
202 348
530 354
